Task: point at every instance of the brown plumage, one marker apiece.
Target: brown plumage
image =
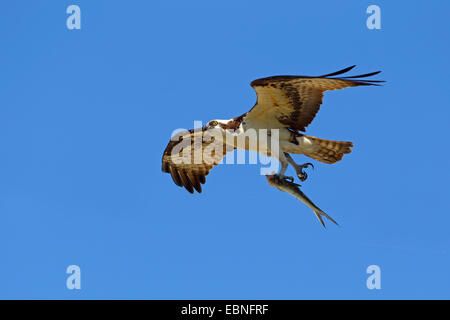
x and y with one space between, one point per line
181 163
295 100
328 151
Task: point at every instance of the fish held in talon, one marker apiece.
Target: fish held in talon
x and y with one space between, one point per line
294 189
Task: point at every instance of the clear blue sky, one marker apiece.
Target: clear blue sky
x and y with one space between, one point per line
85 115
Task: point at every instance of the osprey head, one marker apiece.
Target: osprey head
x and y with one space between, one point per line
216 124
230 125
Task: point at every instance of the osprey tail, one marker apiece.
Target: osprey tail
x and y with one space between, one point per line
327 151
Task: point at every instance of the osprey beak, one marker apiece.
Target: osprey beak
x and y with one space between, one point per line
205 127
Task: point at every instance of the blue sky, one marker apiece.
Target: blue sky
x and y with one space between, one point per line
85 115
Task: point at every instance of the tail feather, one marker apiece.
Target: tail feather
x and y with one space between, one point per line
328 151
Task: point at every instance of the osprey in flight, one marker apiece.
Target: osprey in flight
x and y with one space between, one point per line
286 103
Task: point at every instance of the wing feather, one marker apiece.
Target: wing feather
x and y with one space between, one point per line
293 101
187 161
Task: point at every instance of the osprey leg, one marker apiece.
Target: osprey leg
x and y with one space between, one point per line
284 165
302 175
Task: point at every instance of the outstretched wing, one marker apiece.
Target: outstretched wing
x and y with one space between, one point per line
293 101
189 157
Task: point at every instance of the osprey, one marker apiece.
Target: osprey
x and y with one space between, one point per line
286 103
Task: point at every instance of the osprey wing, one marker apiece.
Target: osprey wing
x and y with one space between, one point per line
189 157
293 101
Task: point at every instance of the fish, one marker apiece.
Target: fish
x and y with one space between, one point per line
294 190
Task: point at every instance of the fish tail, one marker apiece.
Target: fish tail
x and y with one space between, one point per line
319 213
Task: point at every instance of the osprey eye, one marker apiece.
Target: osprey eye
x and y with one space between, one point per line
213 123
